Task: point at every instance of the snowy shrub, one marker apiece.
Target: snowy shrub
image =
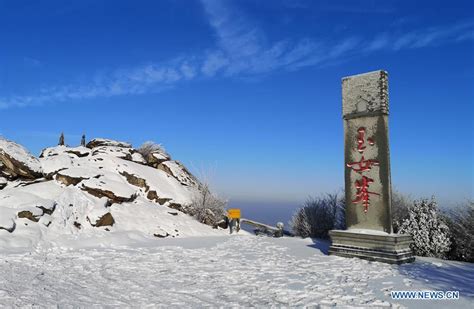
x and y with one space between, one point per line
207 207
430 233
461 226
318 216
400 209
148 148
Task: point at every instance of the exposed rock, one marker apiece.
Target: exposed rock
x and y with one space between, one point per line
5 173
179 172
79 151
96 142
74 175
161 235
18 161
47 208
68 180
156 158
77 224
115 191
28 215
135 180
106 220
152 195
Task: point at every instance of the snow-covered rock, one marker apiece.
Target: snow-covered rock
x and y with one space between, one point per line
18 161
3 182
96 142
106 187
179 172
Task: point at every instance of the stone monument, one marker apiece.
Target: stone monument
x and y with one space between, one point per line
369 233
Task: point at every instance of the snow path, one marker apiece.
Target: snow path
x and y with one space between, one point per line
214 271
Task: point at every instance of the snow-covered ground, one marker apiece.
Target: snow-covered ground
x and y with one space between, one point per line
130 269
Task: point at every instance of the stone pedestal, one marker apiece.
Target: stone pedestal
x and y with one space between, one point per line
369 231
372 246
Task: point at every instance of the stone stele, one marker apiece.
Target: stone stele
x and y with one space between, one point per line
369 233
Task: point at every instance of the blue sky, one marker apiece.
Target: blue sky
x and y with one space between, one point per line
247 93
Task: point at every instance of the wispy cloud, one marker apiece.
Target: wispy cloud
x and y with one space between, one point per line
242 50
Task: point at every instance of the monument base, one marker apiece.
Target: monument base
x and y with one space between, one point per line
372 246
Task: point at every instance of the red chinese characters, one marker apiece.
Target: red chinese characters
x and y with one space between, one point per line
361 166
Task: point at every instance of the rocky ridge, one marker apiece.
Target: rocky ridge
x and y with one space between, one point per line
106 185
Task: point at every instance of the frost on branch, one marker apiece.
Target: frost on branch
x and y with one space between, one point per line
207 207
430 233
461 226
318 216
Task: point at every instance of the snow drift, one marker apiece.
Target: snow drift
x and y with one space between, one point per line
105 187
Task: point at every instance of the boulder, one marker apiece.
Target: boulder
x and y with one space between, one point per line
106 220
96 142
18 161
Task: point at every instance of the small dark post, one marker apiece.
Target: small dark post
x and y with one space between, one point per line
83 140
61 139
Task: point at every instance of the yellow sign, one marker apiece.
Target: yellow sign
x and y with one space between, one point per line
234 213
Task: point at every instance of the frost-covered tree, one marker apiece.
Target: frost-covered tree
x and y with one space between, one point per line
207 207
299 223
400 209
460 221
430 233
318 216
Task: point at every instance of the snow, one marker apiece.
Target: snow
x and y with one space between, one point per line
109 142
80 172
116 151
20 154
119 188
56 163
161 156
127 269
138 158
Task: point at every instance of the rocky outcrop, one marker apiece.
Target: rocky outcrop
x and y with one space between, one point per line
179 172
74 175
68 180
156 158
135 180
115 191
17 162
70 189
97 142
